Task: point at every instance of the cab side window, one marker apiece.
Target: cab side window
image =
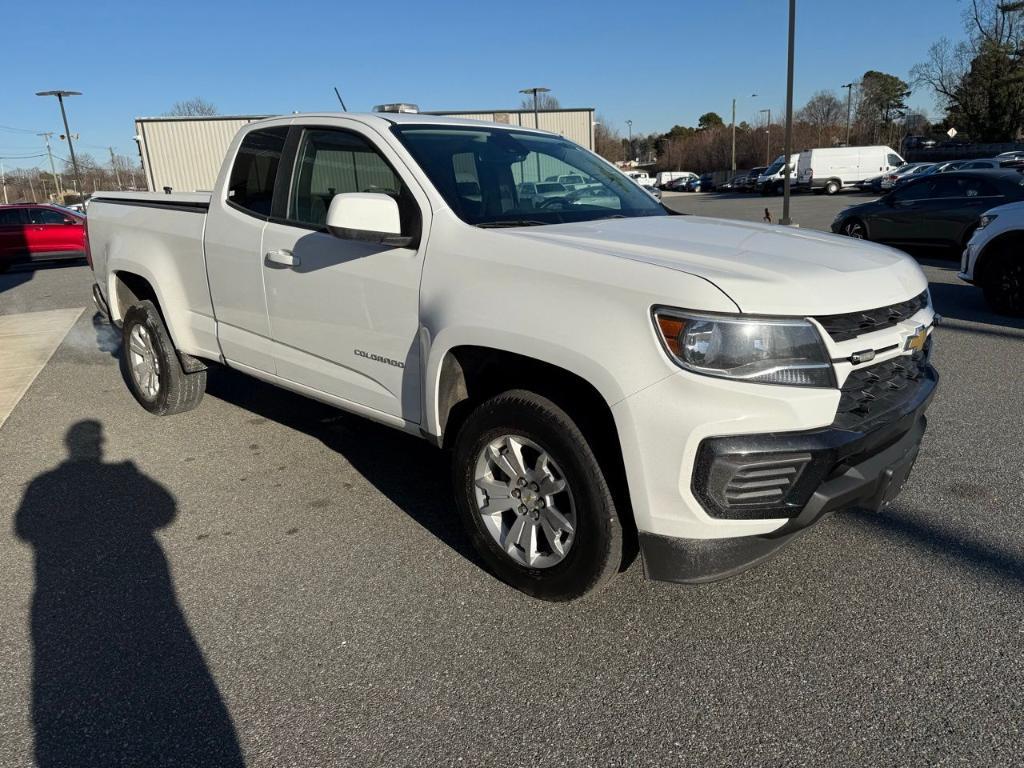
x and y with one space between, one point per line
251 186
332 162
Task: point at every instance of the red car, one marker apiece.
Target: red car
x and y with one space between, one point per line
31 232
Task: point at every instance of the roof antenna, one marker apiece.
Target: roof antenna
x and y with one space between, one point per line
343 107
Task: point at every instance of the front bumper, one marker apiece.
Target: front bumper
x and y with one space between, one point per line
845 467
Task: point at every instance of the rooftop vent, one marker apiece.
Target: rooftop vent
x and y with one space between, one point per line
401 107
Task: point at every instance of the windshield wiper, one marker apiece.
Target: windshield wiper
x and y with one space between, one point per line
512 223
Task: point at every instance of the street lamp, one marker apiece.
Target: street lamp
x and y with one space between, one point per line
67 132
849 100
767 137
629 126
536 117
788 140
753 96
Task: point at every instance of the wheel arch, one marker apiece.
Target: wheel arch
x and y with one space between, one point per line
468 374
995 246
130 286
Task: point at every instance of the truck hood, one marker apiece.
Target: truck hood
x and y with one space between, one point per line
763 268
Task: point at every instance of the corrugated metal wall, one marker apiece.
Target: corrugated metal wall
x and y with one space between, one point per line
574 124
185 153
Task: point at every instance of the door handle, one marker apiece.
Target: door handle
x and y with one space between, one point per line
282 257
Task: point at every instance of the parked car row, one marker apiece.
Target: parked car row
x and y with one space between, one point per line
955 210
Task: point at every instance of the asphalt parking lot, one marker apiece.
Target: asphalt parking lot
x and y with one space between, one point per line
807 210
286 585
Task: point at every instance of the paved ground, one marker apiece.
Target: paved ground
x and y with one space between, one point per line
270 582
807 210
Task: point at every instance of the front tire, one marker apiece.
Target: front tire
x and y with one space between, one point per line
832 187
1004 285
534 499
151 367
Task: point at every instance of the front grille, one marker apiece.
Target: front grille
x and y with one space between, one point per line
869 393
852 324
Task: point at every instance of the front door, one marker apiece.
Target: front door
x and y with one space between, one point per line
344 314
51 231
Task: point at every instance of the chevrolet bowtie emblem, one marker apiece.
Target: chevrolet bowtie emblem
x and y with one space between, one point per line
917 340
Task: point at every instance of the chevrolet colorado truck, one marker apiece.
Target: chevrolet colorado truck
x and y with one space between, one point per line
608 377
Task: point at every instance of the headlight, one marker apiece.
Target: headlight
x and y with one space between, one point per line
985 220
761 350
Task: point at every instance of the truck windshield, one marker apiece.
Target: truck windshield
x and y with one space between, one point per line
479 171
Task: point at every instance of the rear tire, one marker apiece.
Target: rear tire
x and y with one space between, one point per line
552 544
855 228
1003 285
150 364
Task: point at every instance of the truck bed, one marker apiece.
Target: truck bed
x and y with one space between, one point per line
160 237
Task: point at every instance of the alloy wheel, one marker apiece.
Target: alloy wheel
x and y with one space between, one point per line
524 501
143 363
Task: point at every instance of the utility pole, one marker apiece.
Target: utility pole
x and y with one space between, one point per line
3 180
31 187
536 116
753 96
49 153
849 103
67 132
786 221
629 125
734 136
768 138
113 164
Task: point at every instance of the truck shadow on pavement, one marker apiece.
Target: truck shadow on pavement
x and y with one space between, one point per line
421 489
118 679
961 549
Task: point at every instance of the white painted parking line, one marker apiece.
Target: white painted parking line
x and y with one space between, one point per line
27 341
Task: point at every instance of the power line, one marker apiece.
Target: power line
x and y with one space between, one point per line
16 130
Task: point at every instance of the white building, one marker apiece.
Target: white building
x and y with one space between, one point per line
185 153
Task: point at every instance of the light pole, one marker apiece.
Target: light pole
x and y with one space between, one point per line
67 132
629 126
767 137
753 96
536 116
788 140
849 103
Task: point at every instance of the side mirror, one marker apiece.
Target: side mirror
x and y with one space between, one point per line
69 220
370 217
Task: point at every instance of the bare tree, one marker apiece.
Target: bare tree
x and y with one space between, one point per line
980 81
608 142
823 112
544 101
197 107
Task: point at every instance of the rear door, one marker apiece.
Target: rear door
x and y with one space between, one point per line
344 314
232 242
970 198
12 233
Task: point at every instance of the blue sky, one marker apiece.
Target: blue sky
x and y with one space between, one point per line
658 64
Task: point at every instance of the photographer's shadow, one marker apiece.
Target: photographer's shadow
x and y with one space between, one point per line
118 679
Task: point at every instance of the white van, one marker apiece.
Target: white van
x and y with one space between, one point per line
773 178
831 169
663 178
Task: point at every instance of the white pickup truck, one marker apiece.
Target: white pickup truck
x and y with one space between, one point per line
609 377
